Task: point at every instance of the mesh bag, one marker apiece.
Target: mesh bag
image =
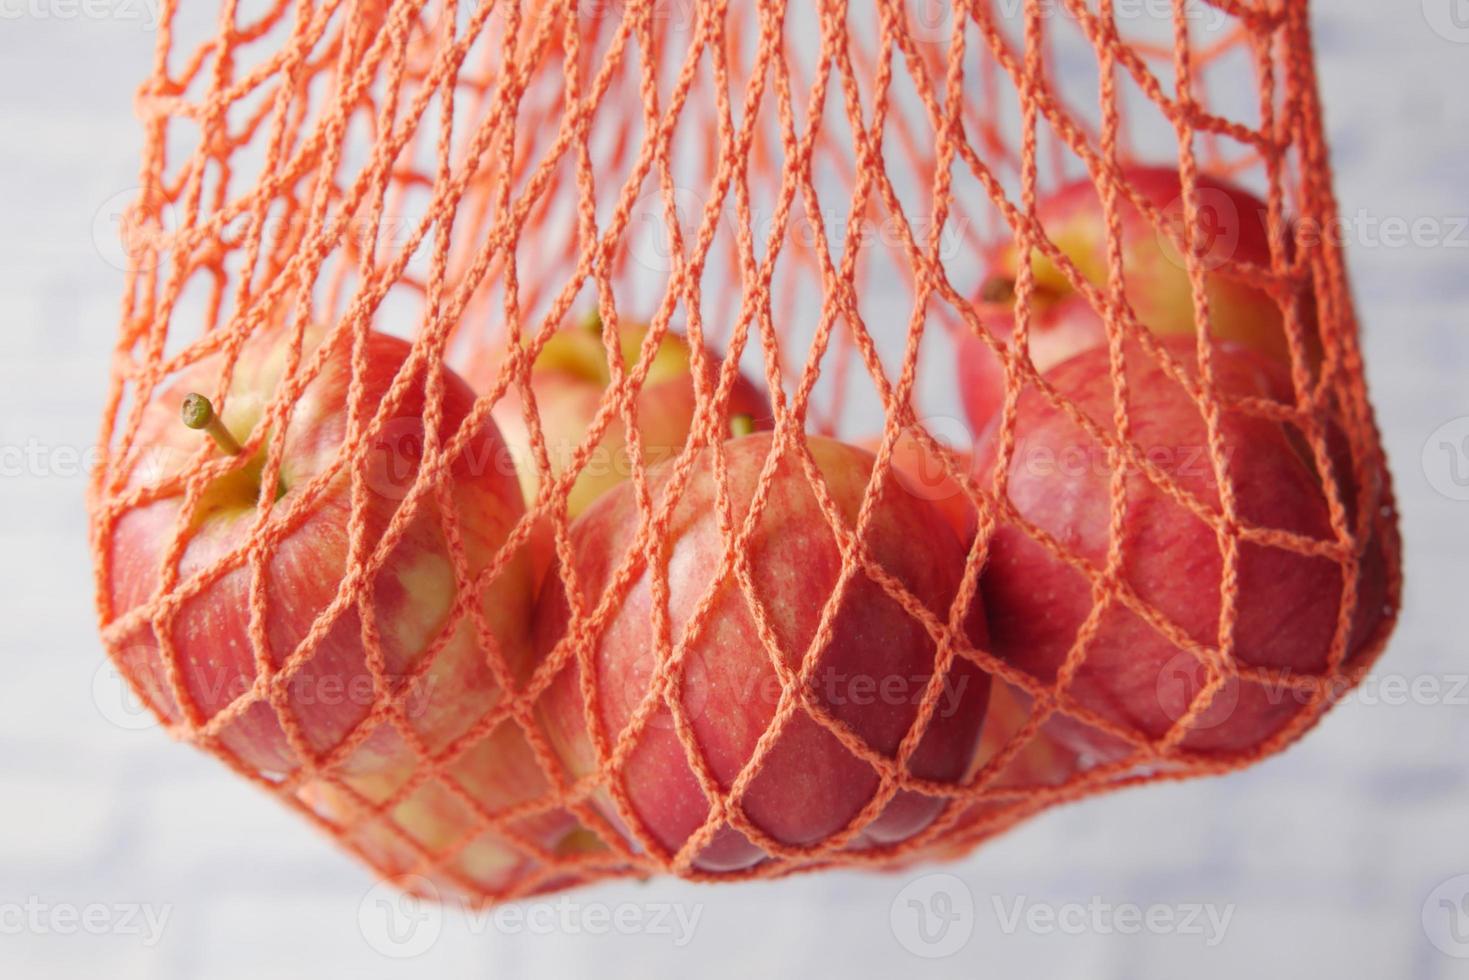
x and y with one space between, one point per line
364 226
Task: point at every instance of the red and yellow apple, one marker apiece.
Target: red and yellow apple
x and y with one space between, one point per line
1232 231
432 832
569 379
406 603
869 674
226 620
1284 605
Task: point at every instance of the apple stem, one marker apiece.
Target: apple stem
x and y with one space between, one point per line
997 289
741 425
198 413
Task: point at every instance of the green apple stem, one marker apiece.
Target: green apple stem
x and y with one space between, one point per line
198 413
741 425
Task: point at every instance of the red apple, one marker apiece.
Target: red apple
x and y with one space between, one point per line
869 675
1286 603
1233 230
435 834
201 639
207 624
570 379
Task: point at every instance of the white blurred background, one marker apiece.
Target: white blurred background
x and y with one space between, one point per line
125 856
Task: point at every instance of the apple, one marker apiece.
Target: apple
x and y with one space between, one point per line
407 601
570 379
1233 228
434 834
869 675
199 623
1134 676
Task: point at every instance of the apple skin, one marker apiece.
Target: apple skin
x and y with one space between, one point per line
410 597
810 786
1235 227
1286 606
570 378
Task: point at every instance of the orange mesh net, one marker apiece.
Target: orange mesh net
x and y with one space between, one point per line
531 547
